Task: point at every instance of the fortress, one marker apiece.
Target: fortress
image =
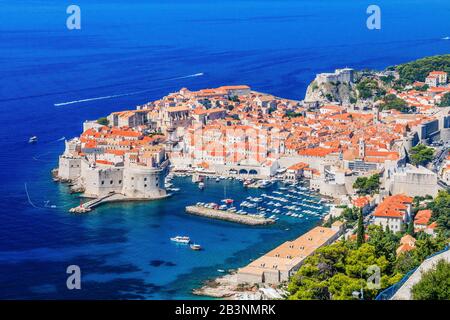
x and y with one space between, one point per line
340 75
101 171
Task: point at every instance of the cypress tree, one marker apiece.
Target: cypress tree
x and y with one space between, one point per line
360 230
410 230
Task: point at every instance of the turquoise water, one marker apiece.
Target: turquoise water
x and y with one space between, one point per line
123 250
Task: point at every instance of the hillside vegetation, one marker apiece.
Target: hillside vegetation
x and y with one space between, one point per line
418 70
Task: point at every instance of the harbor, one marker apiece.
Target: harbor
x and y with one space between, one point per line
266 203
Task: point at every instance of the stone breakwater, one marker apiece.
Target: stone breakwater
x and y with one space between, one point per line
228 216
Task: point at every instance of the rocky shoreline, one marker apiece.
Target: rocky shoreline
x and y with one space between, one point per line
228 288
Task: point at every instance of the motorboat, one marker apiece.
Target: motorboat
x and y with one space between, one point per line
181 239
196 247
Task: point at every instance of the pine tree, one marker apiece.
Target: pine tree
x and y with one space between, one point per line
360 230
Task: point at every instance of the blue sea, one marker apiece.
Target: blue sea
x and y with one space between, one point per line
138 51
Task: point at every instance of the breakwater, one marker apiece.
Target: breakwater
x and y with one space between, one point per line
228 216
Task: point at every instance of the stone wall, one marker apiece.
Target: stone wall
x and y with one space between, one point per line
69 168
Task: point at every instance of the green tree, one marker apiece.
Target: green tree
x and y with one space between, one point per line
367 185
421 154
385 242
360 230
103 121
350 214
410 229
391 101
435 283
441 211
406 262
427 245
336 270
234 98
445 102
341 286
367 88
418 70
387 79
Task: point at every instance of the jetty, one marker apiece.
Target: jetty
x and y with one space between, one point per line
111 197
228 216
88 206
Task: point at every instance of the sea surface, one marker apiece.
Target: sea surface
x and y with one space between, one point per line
131 52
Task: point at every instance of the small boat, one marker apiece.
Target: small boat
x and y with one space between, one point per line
196 247
220 270
33 139
217 179
228 201
181 239
201 185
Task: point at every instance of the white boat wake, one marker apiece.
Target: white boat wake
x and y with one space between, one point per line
123 94
47 204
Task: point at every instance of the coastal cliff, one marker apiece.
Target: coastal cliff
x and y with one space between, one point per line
330 92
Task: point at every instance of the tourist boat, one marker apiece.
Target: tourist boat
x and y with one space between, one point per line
181 239
196 247
33 139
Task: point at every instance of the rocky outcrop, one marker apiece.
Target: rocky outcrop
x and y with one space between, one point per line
342 93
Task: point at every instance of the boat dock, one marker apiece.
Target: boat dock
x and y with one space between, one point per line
112 197
228 216
89 205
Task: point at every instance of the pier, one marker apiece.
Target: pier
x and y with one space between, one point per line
228 216
88 206
112 197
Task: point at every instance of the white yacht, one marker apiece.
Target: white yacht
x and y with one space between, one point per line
181 239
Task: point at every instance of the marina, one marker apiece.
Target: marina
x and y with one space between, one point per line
279 200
